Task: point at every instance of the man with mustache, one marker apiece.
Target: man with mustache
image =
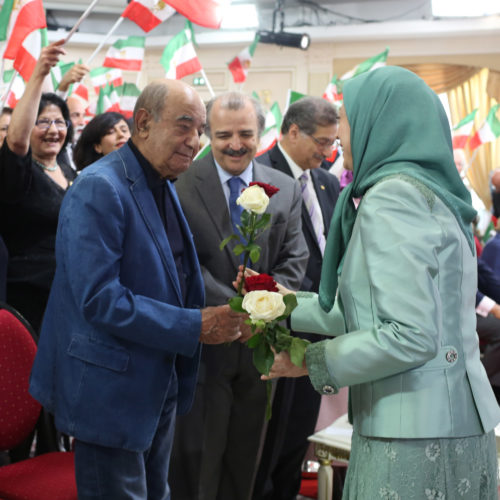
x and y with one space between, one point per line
216 446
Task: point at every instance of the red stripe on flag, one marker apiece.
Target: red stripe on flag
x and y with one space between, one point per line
237 70
126 113
30 18
187 68
206 13
474 141
128 64
24 63
459 141
141 16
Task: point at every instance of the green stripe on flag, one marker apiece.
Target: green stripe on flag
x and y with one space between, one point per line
5 18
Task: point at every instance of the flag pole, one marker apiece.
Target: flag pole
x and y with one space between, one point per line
210 89
469 164
82 18
2 69
110 32
4 98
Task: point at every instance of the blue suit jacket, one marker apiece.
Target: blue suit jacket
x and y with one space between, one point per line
115 324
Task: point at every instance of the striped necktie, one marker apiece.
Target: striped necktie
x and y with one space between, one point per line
313 210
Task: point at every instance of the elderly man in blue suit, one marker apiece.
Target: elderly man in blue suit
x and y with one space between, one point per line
120 343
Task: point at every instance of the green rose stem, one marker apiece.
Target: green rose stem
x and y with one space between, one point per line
250 242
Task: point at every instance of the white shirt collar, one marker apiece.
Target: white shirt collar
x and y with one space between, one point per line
296 170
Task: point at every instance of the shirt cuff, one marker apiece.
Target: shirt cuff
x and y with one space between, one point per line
319 375
485 306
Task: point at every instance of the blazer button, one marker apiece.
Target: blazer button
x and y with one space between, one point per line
451 356
328 389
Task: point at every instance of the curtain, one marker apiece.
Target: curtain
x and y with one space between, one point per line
477 92
442 77
467 88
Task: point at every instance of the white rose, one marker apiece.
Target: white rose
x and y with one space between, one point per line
254 199
263 305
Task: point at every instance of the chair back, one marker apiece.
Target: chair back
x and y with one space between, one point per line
18 410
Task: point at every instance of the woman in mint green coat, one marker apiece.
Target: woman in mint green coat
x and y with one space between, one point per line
400 268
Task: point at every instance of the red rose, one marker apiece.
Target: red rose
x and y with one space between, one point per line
260 282
270 190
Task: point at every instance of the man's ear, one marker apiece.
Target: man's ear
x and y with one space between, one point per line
142 121
293 131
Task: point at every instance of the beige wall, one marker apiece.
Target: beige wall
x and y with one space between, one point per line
274 69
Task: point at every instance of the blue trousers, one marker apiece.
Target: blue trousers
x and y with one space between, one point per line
104 473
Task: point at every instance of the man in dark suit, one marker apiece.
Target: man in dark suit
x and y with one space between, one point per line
120 342
309 131
216 446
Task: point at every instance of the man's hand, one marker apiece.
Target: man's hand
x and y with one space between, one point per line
495 311
73 75
220 324
246 330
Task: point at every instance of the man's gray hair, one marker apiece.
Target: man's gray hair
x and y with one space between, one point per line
309 113
152 99
235 101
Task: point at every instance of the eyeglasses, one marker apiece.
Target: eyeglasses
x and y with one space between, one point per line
45 124
325 143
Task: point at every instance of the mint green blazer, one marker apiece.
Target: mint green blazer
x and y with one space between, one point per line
406 299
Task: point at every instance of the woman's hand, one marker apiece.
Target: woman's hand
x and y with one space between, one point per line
250 272
283 367
49 57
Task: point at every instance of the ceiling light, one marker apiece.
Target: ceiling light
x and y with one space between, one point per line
452 8
240 16
295 40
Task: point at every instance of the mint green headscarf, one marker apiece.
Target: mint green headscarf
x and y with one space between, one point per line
398 126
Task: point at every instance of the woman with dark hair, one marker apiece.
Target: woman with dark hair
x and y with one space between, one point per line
102 135
33 181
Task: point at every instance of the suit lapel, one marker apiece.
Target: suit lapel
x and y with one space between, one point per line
210 191
149 212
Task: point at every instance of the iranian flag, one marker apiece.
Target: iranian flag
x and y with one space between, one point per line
461 131
58 71
128 98
179 57
29 53
25 17
369 65
126 53
208 13
204 151
16 90
293 96
79 90
108 100
333 92
272 128
148 14
489 132
240 64
100 77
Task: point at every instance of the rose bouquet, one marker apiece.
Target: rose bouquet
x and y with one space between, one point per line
266 307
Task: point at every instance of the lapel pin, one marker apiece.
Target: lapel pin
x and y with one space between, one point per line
322 187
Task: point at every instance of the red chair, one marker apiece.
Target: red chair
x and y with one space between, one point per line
47 477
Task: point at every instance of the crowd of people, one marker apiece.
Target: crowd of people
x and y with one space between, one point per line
110 236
